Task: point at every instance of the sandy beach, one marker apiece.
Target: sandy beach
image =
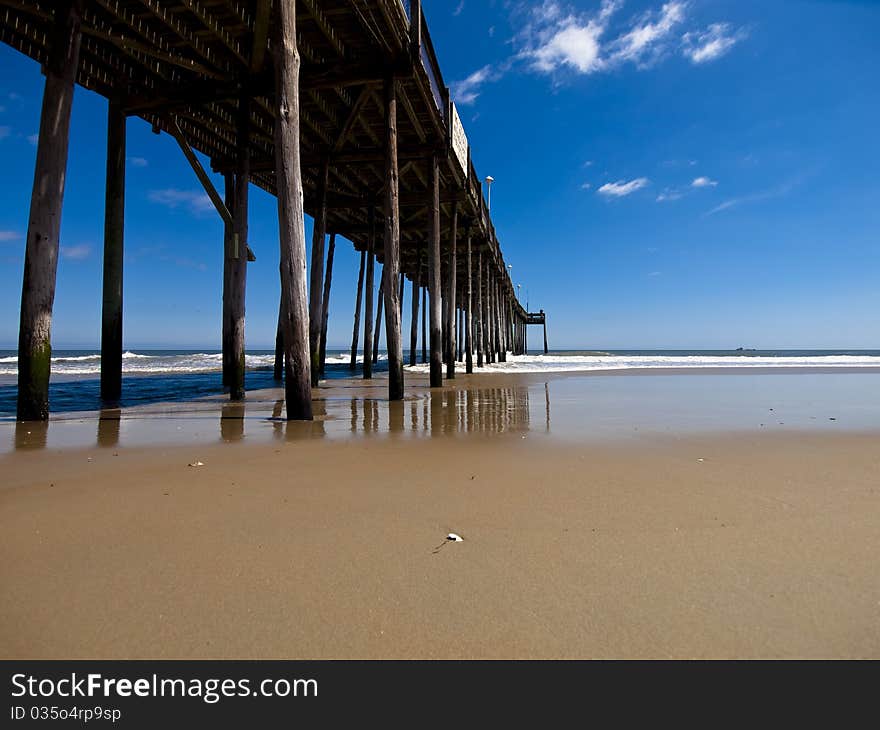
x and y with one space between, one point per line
329 540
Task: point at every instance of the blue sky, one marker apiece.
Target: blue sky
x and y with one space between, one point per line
683 174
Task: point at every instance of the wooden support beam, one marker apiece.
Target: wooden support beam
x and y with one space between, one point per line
479 313
44 220
369 293
414 311
353 114
415 30
434 280
391 267
278 369
424 323
402 283
175 131
292 238
260 35
114 225
316 276
451 322
325 303
460 333
377 330
357 312
216 27
546 350
490 308
228 247
238 259
469 323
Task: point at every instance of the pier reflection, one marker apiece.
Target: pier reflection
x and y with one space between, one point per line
448 411
232 421
109 421
31 434
444 412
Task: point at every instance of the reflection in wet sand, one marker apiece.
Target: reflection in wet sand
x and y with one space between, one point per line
547 399
446 411
299 430
108 427
395 417
31 434
232 421
277 422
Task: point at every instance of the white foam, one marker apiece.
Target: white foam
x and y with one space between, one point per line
201 362
592 363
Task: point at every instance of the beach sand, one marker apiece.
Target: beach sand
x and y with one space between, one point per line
329 540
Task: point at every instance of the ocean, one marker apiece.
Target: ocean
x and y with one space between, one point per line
152 376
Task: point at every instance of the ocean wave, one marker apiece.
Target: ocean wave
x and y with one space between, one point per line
581 363
206 362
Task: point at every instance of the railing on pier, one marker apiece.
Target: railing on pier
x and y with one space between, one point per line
420 39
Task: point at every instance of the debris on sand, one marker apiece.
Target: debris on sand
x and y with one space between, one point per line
195 463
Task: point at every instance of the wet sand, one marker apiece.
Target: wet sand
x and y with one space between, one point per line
328 540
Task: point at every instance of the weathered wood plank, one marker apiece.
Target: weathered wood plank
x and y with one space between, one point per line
114 225
391 268
325 304
414 310
377 331
316 277
451 322
292 238
228 234
357 312
238 260
479 313
434 280
369 293
44 220
469 320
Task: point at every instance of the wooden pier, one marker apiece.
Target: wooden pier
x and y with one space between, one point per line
337 107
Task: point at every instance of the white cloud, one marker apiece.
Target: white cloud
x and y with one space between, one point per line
620 188
703 182
138 161
459 8
76 253
555 37
668 195
586 186
9 236
777 192
712 43
645 41
573 45
196 201
466 92
33 139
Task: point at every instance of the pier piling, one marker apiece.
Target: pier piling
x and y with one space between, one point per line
357 312
434 280
114 224
44 220
292 237
451 311
325 302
